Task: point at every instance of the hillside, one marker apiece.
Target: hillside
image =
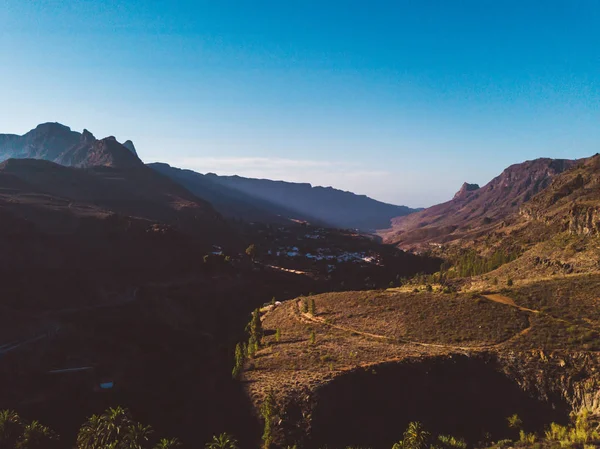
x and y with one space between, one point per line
247 198
438 358
57 143
56 198
230 202
474 212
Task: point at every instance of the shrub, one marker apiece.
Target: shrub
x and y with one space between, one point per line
527 438
514 422
278 335
415 437
428 288
251 251
450 442
223 441
312 307
36 436
312 338
114 428
509 283
304 306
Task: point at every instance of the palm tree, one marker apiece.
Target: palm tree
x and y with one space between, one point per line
11 427
111 429
415 437
164 443
223 441
137 434
36 436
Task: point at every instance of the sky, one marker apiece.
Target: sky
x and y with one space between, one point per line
400 100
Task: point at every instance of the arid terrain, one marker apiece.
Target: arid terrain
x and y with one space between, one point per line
121 287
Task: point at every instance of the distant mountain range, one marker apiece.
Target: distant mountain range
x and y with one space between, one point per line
279 201
233 196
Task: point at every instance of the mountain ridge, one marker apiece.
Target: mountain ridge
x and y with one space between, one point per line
58 143
282 200
473 212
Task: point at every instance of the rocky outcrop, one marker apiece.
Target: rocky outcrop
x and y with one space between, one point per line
130 146
465 189
584 219
58 143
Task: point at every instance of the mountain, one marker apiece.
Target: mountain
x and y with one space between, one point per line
57 143
279 201
230 202
56 198
571 201
475 211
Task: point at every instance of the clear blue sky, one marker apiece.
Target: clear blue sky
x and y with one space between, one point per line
401 100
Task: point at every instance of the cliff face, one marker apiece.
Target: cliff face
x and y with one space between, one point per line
456 394
572 201
584 220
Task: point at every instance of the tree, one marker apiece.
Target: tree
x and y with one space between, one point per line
312 307
267 411
415 437
11 427
137 436
251 251
313 338
239 361
509 282
167 443
304 305
514 422
111 429
256 329
36 436
222 441
278 335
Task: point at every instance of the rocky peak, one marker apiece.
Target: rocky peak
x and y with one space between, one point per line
87 137
50 128
130 146
465 189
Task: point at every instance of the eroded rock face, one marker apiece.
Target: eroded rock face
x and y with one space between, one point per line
465 395
584 220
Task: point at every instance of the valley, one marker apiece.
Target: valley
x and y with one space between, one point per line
132 285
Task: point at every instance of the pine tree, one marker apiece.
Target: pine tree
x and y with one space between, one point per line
312 307
239 361
256 329
304 305
267 410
